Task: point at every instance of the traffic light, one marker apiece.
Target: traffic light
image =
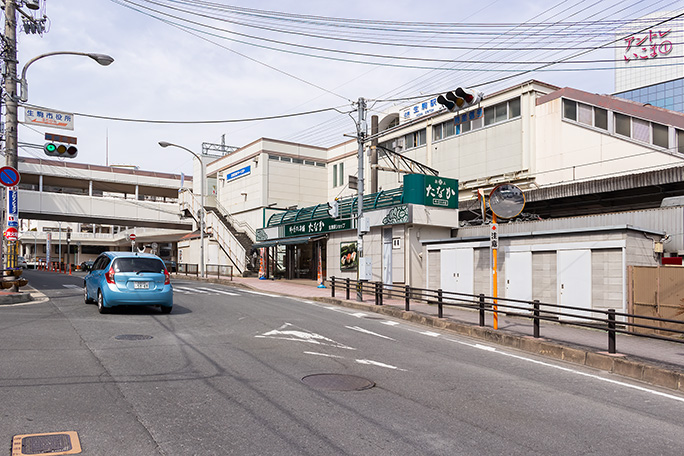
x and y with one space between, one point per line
60 146
334 209
460 99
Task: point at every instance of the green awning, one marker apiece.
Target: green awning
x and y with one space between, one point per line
287 241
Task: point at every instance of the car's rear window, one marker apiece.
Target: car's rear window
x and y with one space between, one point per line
138 265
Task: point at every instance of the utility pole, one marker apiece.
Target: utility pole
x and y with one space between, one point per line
10 76
11 108
361 131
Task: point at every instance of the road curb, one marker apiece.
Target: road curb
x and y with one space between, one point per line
623 365
7 298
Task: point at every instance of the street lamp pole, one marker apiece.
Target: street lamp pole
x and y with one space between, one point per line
102 59
201 211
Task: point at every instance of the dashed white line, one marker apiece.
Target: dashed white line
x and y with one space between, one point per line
378 364
430 333
365 331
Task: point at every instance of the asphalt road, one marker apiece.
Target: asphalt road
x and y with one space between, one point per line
237 372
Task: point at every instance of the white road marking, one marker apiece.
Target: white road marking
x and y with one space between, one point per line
365 331
323 354
390 323
569 370
431 334
191 290
358 314
301 336
378 364
262 294
213 290
179 290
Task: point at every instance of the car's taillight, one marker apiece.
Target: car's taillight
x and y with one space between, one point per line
109 275
167 277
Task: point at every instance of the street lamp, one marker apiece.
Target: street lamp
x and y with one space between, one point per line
201 211
102 59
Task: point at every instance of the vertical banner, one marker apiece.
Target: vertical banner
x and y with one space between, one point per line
12 207
48 248
262 269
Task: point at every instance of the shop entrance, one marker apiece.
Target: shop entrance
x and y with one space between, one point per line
301 260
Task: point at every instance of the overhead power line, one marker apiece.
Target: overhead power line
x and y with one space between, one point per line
191 122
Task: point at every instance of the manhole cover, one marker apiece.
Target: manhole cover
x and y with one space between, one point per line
50 443
132 337
337 382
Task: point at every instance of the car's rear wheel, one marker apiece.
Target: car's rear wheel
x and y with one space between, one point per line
166 309
101 304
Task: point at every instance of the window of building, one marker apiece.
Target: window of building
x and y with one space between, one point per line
661 135
569 109
444 130
585 114
334 175
601 118
502 111
299 161
622 125
341 179
680 141
416 139
641 130
514 108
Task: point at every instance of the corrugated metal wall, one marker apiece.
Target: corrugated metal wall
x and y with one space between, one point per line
669 220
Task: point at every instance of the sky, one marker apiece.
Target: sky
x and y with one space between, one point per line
162 72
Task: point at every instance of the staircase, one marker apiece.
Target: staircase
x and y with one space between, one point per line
220 227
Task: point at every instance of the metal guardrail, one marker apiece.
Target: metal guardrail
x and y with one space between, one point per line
210 270
609 320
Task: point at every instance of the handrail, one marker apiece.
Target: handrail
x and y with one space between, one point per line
242 225
605 319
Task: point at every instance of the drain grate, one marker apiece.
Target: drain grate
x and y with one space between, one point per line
337 382
50 443
133 337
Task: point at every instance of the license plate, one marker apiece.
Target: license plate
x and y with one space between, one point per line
141 285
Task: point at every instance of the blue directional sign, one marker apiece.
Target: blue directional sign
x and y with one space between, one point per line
239 173
9 177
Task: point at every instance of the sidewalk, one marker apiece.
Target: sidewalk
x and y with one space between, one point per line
650 360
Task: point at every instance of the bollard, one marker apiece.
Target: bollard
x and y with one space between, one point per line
407 297
332 286
611 331
440 311
347 295
377 298
535 320
380 292
482 309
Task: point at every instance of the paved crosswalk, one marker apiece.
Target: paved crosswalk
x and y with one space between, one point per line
183 289
202 290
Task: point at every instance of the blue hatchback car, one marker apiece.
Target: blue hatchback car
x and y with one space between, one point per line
128 279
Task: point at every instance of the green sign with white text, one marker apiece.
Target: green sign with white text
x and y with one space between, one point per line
431 191
317 226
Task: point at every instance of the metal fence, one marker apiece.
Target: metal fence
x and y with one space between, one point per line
210 270
609 320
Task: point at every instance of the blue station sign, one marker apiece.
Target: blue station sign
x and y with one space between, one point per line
239 173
